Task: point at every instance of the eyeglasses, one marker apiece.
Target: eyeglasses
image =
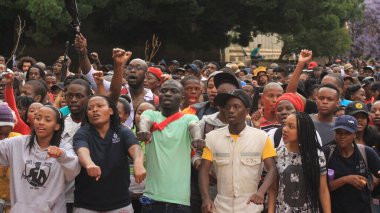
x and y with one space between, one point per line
137 67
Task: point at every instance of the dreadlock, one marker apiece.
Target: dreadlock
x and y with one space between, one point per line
308 145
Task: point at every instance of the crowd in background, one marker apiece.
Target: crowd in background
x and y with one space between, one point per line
137 136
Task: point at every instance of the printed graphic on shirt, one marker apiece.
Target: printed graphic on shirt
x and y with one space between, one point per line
36 173
115 138
291 195
293 181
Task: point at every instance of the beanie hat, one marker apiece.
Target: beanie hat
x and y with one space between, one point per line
6 116
294 99
156 72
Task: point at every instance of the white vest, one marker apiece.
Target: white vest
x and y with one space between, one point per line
238 167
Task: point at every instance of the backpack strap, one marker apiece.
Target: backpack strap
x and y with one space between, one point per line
332 148
361 148
277 137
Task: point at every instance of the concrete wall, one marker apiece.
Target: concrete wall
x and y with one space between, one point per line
271 49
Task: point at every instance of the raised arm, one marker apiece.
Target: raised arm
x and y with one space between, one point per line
120 58
95 57
305 56
81 46
20 126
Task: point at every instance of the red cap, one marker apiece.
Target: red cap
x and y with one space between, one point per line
156 72
312 65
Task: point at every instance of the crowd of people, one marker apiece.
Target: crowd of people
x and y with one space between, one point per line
202 137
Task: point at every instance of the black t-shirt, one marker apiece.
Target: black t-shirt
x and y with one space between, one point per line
348 198
110 192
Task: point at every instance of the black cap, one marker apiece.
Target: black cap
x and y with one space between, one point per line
57 86
356 107
222 98
226 77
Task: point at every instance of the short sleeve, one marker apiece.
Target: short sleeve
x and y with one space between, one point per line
192 118
322 162
148 114
207 154
80 139
129 139
373 161
269 150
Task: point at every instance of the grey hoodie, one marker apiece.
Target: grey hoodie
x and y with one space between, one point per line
209 123
37 182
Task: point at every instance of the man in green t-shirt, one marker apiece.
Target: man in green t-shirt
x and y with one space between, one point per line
255 53
169 134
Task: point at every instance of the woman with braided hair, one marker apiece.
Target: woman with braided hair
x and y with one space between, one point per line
301 185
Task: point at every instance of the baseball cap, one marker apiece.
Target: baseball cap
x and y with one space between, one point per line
368 80
156 72
356 107
346 122
222 98
192 67
312 65
226 77
57 86
368 68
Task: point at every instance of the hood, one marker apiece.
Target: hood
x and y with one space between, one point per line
214 120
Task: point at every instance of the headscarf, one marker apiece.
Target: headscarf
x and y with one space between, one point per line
294 99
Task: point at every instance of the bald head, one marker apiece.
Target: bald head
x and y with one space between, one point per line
271 86
174 83
139 61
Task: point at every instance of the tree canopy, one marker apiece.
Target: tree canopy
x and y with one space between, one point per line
189 24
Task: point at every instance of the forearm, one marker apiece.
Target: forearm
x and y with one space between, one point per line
137 155
203 178
84 157
195 131
336 184
145 124
272 195
324 197
101 90
84 62
270 177
116 82
293 82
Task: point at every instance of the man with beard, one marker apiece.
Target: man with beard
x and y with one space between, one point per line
169 135
261 76
136 71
